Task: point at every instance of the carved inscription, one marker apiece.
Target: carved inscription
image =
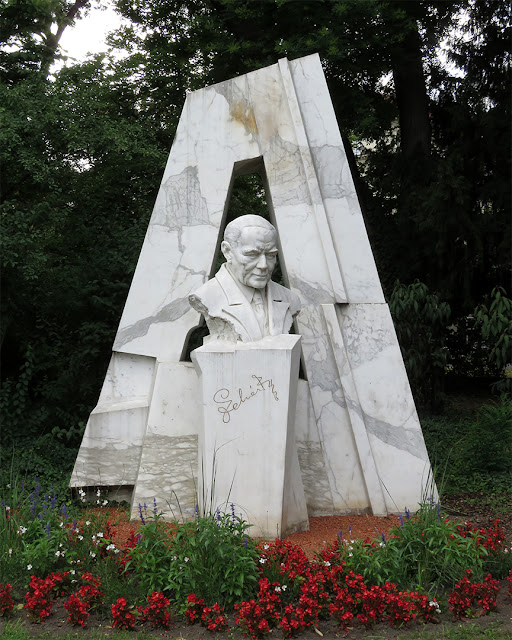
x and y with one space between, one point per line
227 404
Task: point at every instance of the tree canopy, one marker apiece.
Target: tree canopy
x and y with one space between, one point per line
82 151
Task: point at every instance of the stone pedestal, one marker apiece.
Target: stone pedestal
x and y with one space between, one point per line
247 451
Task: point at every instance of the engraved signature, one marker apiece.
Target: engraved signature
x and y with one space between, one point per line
222 397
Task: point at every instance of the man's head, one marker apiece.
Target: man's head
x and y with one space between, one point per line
249 247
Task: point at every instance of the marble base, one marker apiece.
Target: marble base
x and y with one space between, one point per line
247 451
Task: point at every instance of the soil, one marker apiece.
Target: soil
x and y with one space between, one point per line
323 531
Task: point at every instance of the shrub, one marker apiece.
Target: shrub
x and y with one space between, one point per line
489 440
426 552
211 557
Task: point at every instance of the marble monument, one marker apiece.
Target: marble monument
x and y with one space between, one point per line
248 375
357 435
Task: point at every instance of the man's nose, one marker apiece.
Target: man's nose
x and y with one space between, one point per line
262 262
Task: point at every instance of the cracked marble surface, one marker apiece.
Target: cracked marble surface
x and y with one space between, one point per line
358 432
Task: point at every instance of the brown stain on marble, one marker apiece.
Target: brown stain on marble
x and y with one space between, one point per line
244 114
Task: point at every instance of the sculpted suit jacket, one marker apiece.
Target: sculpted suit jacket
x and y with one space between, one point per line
222 302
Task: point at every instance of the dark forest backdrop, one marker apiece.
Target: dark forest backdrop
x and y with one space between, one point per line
82 152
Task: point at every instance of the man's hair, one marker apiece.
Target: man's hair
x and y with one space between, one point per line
234 229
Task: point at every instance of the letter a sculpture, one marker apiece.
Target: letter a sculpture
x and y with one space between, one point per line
237 425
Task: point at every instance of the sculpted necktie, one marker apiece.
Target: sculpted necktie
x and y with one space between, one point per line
259 309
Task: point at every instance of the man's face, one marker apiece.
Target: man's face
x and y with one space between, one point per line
253 259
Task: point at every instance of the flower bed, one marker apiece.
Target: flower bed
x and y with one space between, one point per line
209 573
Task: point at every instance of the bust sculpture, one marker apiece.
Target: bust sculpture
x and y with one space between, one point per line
242 302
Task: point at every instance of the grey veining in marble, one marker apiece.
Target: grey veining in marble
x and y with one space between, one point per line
359 438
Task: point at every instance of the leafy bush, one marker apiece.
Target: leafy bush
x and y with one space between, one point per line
495 322
421 320
489 440
473 451
211 557
425 552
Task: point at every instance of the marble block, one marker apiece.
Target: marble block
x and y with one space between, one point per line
247 452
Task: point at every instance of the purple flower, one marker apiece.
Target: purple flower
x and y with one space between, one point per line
140 513
401 519
340 535
64 511
407 513
47 528
155 508
382 535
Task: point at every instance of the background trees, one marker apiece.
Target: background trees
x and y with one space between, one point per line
83 150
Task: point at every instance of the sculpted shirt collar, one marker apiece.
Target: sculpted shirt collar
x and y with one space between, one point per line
247 291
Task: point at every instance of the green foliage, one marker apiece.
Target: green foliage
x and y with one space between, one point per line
473 452
424 553
495 323
32 531
79 176
489 441
211 557
421 320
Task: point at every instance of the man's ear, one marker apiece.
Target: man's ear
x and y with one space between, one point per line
226 250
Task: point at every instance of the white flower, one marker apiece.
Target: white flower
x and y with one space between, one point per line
58 554
382 544
110 547
93 538
10 553
283 587
350 555
87 522
29 566
98 493
117 550
72 572
262 560
434 605
277 589
92 554
7 508
100 534
327 563
61 524
105 502
80 537
185 559
21 530
60 544
266 547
